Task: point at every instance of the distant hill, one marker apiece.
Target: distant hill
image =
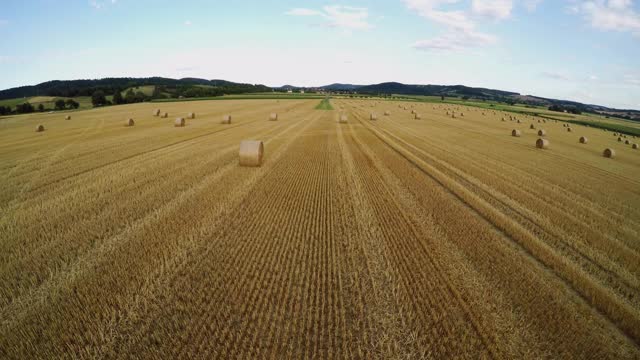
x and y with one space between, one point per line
341 87
195 87
187 87
433 90
461 91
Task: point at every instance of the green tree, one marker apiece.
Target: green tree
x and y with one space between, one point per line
40 107
130 97
157 93
25 108
140 97
60 104
117 97
72 104
98 98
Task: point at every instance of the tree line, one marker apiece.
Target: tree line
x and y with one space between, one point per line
26 107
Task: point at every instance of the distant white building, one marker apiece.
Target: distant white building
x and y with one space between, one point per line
289 91
301 91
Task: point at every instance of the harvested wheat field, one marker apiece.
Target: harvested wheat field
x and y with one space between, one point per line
440 238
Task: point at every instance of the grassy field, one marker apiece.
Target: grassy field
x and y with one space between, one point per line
48 102
325 104
621 125
396 238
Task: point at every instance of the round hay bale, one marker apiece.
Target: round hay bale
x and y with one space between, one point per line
251 152
619 139
518 121
165 115
273 117
583 140
541 132
129 122
634 146
373 116
417 116
516 133
68 117
627 142
569 129
156 112
386 113
615 134
532 127
180 122
226 119
542 143
191 115
609 153
343 119
40 128
503 119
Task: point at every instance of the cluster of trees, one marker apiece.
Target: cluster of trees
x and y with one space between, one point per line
569 109
27 108
99 98
188 87
62 104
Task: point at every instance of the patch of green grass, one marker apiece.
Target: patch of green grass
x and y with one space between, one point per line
13 102
325 104
147 90
244 97
48 102
608 126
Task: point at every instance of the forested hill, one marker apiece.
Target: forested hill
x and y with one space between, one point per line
187 87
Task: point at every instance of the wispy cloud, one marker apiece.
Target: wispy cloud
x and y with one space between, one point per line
455 41
531 5
555 75
460 23
494 9
188 23
337 16
632 79
100 4
612 15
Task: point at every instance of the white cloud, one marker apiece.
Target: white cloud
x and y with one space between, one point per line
338 16
632 79
614 15
494 9
459 22
188 23
303 12
100 4
531 5
455 41
593 77
429 9
555 75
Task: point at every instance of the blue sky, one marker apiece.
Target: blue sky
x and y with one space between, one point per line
587 51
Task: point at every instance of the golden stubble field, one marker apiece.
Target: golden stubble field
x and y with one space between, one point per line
396 238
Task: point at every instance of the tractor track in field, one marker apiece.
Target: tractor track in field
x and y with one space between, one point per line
620 314
84 263
605 270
